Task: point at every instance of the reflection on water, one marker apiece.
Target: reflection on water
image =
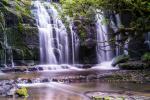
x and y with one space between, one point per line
59 91
46 93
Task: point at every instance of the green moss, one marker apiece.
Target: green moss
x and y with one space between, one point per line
106 98
146 57
22 92
97 98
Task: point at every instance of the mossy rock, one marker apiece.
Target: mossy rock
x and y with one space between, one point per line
22 92
97 98
133 65
120 59
107 98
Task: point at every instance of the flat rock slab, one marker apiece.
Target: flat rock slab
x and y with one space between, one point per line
113 95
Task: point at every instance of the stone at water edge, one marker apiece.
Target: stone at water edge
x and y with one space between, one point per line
11 92
120 59
107 98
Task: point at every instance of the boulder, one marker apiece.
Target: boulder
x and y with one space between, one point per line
120 59
134 65
86 66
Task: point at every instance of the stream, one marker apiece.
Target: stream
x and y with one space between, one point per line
74 90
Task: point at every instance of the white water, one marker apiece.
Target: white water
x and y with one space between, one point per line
46 35
105 66
75 44
57 68
104 53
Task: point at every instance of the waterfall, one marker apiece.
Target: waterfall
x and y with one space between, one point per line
104 50
75 44
54 48
55 45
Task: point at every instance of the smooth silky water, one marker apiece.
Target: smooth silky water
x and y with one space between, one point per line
71 91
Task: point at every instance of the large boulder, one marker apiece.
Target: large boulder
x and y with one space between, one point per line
120 59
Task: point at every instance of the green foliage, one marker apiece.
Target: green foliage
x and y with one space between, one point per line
77 8
82 12
137 9
17 7
146 57
11 35
22 92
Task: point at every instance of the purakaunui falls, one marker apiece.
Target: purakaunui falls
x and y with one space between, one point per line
59 46
55 47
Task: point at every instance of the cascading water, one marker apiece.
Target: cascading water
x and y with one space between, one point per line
75 44
55 47
104 50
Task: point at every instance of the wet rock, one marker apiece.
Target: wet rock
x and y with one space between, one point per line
7 87
6 70
29 81
65 67
45 80
133 65
3 66
11 91
40 68
19 70
85 66
15 69
37 80
32 69
120 59
55 80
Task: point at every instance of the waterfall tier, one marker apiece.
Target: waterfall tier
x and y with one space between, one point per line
55 45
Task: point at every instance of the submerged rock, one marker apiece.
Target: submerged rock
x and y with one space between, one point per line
113 95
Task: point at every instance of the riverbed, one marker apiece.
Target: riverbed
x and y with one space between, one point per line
74 90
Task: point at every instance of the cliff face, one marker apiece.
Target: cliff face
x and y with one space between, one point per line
23 38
